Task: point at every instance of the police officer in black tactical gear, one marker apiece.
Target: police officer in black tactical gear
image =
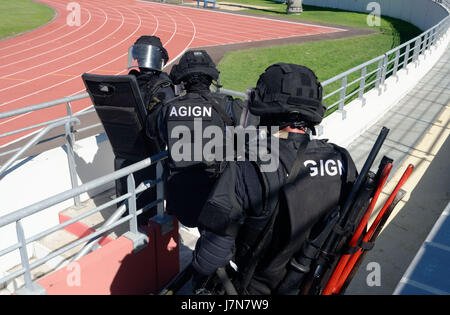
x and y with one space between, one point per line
181 122
149 55
260 219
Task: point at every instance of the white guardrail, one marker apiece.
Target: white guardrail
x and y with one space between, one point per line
369 76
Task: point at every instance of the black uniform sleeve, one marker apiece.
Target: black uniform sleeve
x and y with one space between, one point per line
212 251
223 212
219 222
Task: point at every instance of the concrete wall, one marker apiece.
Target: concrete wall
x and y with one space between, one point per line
422 13
117 268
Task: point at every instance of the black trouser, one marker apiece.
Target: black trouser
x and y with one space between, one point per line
145 197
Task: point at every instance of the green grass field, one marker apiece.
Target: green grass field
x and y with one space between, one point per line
18 16
241 69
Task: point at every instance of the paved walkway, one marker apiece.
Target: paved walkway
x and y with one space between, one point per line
419 129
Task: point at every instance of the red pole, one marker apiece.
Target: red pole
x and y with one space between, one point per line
331 285
348 268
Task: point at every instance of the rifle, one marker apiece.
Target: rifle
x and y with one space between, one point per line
322 248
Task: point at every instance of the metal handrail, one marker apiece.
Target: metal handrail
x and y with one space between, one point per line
415 46
67 122
116 215
444 3
131 195
51 201
31 108
10 133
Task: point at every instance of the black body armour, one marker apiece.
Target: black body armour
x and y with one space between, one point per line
294 207
187 119
190 174
155 87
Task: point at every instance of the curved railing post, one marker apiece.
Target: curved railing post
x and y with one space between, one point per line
342 97
362 86
70 141
30 287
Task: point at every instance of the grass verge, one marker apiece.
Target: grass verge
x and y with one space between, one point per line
19 16
241 69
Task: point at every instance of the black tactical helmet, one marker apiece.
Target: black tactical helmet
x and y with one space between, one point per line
191 63
147 53
288 93
153 41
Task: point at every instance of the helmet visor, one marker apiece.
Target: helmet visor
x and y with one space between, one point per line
145 56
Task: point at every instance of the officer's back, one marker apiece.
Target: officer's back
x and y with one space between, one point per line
180 122
267 215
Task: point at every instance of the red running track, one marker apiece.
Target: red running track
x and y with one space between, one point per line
46 64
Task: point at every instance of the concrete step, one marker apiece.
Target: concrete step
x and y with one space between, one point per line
19 282
188 238
54 242
42 248
61 238
96 220
5 291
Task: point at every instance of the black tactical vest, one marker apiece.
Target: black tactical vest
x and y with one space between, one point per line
196 131
155 88
265 244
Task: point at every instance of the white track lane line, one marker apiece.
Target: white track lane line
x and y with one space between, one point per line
57 48
63 68
242 34
77 77
84 90
170 62
234 14
51 41
214 32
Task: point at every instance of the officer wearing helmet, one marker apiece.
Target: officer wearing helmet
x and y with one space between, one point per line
188 180
146 59
260 219
149 55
